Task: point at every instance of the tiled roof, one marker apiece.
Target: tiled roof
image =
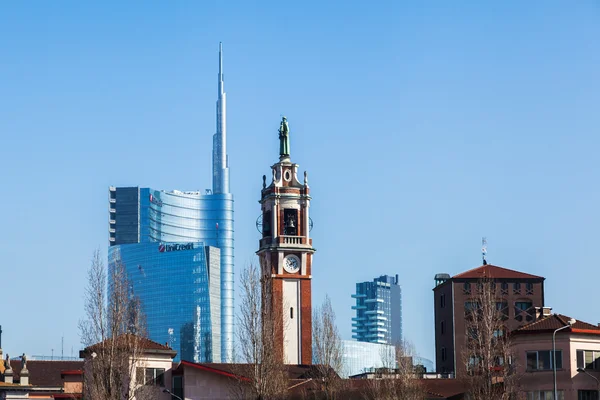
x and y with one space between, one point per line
556 321
145 343
493 271
45 373
237 370
443 388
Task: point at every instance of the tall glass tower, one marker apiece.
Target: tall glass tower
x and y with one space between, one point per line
378 311
187 221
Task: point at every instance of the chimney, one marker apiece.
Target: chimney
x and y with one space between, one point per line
542 312
8 372
24 371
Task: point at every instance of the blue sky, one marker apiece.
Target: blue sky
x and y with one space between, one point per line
423 127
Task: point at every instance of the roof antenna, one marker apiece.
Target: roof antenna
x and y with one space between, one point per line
484 249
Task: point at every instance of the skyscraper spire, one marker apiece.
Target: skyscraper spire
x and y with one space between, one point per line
220 159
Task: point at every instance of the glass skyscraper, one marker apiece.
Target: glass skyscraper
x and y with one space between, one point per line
378 311
178 285
142 220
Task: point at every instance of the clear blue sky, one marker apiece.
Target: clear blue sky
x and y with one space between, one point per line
423 127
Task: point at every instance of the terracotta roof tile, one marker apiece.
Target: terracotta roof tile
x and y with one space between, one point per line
45 373
493 271
555 321
145 343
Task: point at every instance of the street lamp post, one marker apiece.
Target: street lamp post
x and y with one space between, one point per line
596 379
571 322
171 393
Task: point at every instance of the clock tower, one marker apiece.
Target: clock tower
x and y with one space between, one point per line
285 254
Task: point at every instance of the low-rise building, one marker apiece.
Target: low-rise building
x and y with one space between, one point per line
577 358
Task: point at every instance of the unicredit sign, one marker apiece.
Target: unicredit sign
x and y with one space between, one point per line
163 247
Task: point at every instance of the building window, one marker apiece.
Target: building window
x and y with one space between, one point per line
444 355
529 288
266 224
504 288
588 359
290 222
442 301
471 307
502 307
150 376
523 310
467 288
587 395
542 360
516 288
545 395
443 327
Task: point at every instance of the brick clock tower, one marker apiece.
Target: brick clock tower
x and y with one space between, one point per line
285 255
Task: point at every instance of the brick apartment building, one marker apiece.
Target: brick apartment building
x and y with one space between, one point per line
518 296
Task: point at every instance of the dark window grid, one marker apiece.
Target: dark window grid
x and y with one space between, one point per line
542 360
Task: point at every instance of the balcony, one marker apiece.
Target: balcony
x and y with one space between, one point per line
359 319
112 210
359 308
358 296
111 230
371 312
377 317
112 221
284 239
374 300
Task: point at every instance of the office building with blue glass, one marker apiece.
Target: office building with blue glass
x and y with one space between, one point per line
378 311
177 248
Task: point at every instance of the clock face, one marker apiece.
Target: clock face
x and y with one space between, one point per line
291 264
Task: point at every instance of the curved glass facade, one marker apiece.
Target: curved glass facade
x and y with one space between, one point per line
179 288
145 215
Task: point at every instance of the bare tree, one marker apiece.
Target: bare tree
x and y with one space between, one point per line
261 374
489 361
112 333
327 350
397 379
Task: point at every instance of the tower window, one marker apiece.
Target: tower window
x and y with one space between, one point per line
443 300
529 288
467 288
517 288
266 224
291 312
290 222
444 356
443 327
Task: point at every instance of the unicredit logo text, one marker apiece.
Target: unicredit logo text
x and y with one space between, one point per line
175 247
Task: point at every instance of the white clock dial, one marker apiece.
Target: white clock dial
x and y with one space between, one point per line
291 264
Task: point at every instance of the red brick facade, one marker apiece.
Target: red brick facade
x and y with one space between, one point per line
520 292
284 195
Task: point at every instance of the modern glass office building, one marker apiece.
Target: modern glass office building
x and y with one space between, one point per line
178 285
145 218
360 357
141 220
378 311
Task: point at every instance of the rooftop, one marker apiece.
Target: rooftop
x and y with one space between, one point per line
495 272
555 321
46 373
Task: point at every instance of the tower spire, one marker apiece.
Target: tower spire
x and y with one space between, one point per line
220 159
